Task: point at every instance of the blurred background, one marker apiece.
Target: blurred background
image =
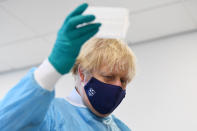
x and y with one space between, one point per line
162 34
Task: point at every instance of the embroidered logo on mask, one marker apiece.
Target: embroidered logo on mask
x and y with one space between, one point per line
91 92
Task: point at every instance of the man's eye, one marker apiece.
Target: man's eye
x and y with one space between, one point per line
109 77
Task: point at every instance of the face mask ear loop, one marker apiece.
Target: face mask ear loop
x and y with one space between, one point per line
82 84
87 77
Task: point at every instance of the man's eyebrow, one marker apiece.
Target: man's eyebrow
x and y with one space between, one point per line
106 73
111 73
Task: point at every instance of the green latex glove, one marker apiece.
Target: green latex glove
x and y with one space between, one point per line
71 37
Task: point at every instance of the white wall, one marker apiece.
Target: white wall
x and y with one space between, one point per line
163 95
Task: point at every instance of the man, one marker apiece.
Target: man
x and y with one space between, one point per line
102 69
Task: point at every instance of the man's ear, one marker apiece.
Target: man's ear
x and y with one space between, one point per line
81 74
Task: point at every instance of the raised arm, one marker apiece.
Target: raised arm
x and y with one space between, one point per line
25 105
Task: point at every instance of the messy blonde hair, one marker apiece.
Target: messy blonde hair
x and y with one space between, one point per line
111 53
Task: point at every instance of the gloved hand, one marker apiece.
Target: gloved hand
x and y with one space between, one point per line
71 37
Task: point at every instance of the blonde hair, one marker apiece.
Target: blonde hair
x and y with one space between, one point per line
111 53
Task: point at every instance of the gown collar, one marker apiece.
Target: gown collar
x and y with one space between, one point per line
75 99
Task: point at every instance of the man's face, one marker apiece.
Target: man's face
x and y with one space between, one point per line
113 77
109 77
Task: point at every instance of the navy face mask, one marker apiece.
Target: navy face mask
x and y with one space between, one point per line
104 97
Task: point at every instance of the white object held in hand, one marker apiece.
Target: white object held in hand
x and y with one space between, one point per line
115 21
